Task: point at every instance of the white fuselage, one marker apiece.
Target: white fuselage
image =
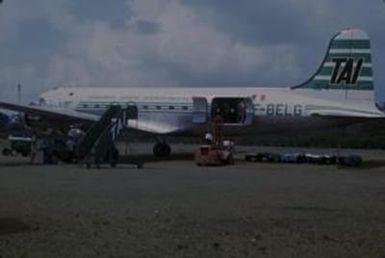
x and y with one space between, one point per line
172 110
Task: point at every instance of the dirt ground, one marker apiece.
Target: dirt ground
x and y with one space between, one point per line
176 209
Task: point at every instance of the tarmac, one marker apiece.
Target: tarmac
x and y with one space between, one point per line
174 208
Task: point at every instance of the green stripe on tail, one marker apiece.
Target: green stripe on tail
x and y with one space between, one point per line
347 64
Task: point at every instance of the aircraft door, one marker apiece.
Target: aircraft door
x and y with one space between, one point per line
249 111
131 115
233 110
200 110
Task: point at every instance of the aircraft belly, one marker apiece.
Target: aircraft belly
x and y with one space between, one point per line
180 123
264 124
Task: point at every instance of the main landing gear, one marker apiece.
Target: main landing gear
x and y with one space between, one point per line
161 150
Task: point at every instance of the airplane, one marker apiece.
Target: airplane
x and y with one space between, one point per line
340 93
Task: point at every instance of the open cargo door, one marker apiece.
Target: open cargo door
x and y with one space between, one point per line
233 110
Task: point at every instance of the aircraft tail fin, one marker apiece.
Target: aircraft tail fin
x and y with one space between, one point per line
347 64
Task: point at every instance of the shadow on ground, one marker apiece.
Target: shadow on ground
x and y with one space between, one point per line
12 226
150 158
369 164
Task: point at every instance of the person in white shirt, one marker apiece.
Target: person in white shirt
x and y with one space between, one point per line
208 138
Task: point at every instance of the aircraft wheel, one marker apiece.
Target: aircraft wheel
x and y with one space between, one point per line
166 150
114 158
6 152
161 150
230 160
156 150
55 158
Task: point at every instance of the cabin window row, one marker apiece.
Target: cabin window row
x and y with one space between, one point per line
144 107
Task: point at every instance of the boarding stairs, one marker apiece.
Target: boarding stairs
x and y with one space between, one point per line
98 145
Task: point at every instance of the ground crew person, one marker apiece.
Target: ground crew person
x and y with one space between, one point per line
208 138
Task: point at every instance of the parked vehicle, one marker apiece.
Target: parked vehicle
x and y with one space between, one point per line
263 156
293 158
19 143
320 159
350 161
212 155
326 159
273 157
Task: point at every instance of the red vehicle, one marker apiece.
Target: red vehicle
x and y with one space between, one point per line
213 155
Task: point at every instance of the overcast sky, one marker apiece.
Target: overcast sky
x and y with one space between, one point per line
51 43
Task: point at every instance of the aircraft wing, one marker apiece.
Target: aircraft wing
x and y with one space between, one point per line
59 116
51 113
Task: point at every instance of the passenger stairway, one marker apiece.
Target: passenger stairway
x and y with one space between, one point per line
98 145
